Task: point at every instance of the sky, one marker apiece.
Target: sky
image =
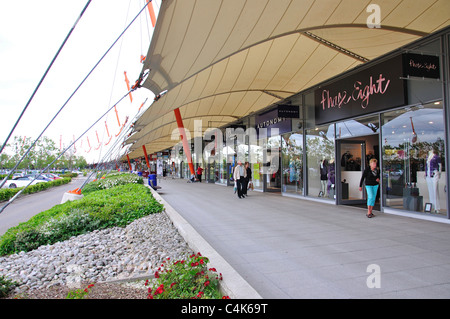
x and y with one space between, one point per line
31 32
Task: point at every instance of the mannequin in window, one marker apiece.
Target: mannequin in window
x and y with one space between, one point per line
323 177
433 169
331 178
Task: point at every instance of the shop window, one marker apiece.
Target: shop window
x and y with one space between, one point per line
292 163
320 150
256 166
412 138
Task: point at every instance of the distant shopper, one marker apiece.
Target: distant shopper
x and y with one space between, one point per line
199 173
239 175
371 176
247 179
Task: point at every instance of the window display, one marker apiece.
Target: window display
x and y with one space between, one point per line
292 163
320 147
413 159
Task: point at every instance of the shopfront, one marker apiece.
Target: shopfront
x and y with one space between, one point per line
315 144
392 110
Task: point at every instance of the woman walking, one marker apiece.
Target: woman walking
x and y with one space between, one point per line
371 176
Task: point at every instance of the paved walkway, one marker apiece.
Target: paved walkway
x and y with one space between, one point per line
291 248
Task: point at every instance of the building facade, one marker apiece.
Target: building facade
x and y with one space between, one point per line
315 144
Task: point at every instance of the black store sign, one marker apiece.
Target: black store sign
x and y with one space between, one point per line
423 66
288 111
374 89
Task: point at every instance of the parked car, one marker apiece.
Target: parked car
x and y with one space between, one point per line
51 176
21 181
40 177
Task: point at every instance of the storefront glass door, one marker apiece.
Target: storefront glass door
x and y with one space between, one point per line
350 165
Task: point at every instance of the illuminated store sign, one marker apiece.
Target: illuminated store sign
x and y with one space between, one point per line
371 90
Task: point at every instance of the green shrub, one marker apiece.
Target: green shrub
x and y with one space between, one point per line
117 206
68 175
112 180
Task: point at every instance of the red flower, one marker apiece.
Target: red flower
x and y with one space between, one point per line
160 290
201 261
206 283
156 275
172 284
225 297
212 269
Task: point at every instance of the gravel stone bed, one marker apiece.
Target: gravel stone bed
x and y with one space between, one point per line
99 257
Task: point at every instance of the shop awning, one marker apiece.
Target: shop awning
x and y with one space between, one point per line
220 60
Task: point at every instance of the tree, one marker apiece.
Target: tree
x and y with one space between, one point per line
40 156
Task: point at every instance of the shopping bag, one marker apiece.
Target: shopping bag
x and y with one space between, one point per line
235 186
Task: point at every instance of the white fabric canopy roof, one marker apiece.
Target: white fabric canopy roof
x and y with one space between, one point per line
223 59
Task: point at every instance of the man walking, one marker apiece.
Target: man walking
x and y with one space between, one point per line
239 175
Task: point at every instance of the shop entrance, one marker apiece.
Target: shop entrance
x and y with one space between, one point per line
273 176
352 157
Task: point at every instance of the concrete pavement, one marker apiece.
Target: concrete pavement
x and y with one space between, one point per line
292 248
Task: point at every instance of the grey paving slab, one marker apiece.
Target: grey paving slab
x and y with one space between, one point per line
295 248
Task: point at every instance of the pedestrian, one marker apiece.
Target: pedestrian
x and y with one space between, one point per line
248 178
239 175
199 173
371 176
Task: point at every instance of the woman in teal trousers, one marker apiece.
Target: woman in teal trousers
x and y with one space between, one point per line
371 176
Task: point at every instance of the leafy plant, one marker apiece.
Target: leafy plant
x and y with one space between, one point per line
6 285
186 280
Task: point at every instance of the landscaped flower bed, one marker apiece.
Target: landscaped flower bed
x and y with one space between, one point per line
117 206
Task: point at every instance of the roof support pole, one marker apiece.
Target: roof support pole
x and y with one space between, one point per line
146 157
129 164
186 148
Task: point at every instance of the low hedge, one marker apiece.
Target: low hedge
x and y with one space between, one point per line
117 206
112 180
7 193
